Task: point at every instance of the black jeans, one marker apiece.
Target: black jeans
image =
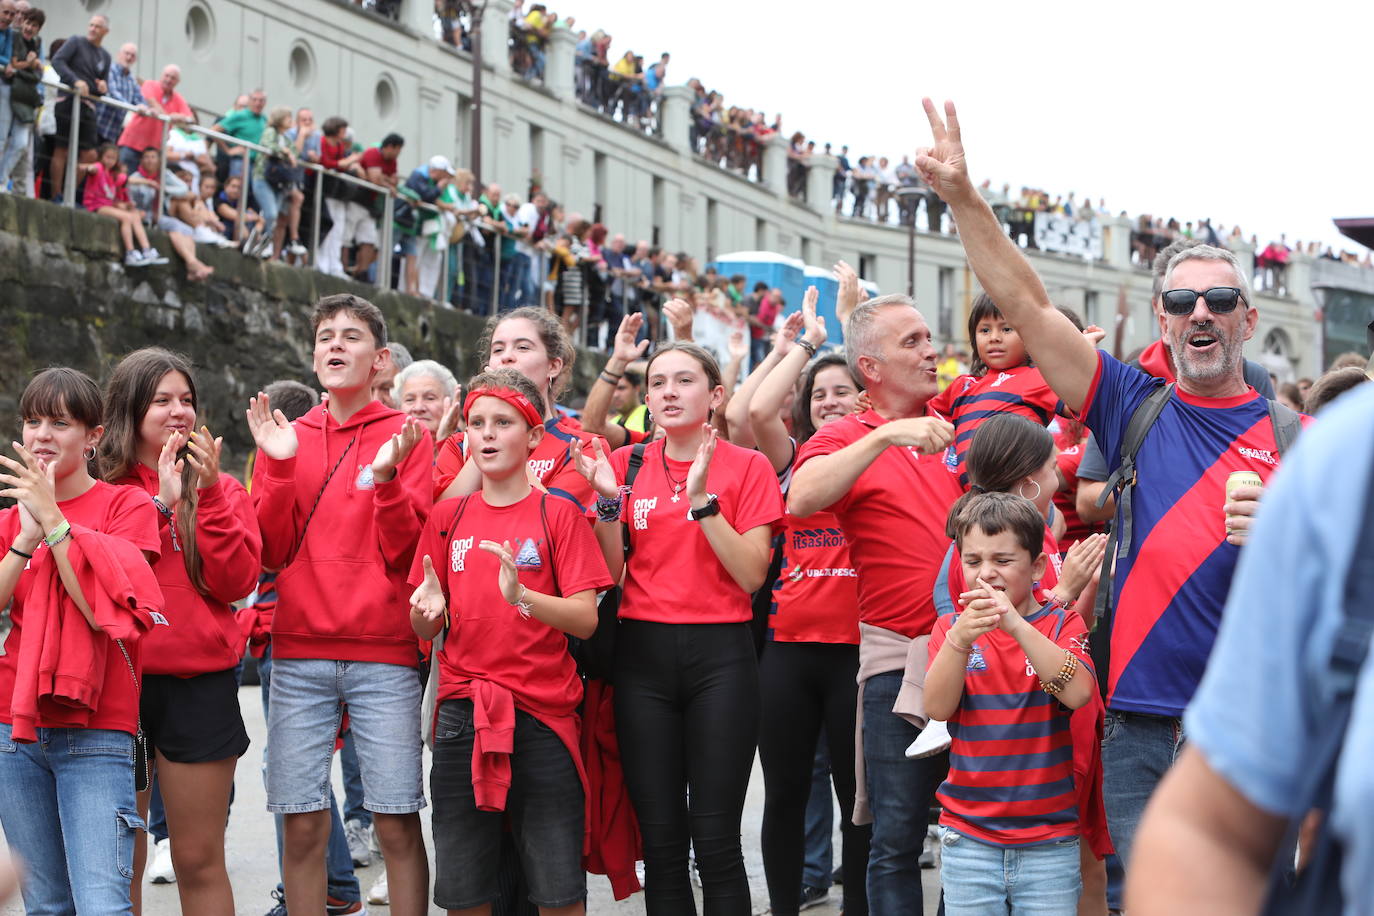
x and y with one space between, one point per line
805 685
687 716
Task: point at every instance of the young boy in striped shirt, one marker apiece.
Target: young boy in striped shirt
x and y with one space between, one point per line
1006 672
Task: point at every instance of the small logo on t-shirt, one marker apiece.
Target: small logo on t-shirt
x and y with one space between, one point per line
1002 377
1079 642
798 573
461 546
975 659
1259 454
951 458
642 508
528 556
365 481
541 467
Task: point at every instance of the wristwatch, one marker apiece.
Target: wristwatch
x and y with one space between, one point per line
712 507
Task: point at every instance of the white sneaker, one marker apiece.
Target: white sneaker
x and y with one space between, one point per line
356 835
151 258
133 259
160 869
379 894
296 248
933 739
206 236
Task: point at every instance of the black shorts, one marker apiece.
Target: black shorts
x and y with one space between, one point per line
194 719
86 137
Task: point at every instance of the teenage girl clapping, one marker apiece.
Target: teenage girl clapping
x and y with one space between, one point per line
700 518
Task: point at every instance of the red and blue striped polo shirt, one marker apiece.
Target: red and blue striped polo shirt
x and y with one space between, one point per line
969 400
1011 779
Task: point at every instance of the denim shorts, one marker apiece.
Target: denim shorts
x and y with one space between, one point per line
545 806
303 717
68 809
980 879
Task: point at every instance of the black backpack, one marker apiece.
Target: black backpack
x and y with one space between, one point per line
1287 424
595 655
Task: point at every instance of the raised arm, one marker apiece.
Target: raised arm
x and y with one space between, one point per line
765 409
739 411
624 351
1065 357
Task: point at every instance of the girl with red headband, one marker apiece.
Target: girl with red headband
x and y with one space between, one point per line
699 516
506 571
532 342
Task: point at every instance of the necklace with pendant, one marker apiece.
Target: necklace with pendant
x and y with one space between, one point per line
676 484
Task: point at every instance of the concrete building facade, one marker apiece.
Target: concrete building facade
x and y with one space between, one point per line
384 76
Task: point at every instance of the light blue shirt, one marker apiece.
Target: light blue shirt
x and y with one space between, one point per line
1263 700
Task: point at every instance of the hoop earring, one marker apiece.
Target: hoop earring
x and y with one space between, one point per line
91 456
1024 496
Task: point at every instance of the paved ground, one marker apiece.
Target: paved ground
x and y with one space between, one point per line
252 848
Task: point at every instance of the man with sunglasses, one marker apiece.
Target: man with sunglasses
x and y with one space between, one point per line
1170 587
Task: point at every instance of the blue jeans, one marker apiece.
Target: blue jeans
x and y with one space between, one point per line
900 792
6 118
515 272
308 699
1137 750
68 808
353 782
269 203
819 866
980 879
342 883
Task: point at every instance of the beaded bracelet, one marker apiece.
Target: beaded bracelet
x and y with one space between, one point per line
806 345
1065 675
608 510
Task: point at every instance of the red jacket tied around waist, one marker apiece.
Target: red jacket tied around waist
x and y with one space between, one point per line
62 663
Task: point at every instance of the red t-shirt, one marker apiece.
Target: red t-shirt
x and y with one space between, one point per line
1011 760
556 553
816 595
373 159
1066 498
551 461
894 517
673 575
118 511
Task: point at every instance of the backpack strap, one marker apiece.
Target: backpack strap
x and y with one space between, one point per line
1123 479
1287 423
445 533
631 472
1312 891
548 539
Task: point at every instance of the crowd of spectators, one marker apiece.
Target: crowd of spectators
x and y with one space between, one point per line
501 250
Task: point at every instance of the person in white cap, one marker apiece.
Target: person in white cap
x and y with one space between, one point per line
424 246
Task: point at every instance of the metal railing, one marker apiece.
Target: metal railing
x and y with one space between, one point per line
385 248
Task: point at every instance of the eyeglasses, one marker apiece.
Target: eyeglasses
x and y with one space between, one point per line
1219 299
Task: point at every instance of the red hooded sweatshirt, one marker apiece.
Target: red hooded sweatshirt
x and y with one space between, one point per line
53 675
342 541
204 634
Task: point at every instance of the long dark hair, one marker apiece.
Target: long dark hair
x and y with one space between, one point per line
63 392
128 395
1005 450
801 406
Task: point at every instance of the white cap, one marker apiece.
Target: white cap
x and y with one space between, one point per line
442 164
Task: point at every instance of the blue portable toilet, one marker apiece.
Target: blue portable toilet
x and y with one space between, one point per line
765 267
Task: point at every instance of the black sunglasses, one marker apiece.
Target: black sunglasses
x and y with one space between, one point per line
1219 299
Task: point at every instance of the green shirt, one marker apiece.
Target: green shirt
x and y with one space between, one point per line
242 124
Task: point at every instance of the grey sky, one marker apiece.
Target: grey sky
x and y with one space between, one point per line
1248 113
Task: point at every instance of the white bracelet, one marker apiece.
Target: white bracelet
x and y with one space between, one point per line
520 604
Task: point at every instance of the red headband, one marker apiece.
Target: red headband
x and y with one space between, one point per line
511 397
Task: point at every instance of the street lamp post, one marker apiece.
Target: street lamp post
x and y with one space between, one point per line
475 154
910 192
